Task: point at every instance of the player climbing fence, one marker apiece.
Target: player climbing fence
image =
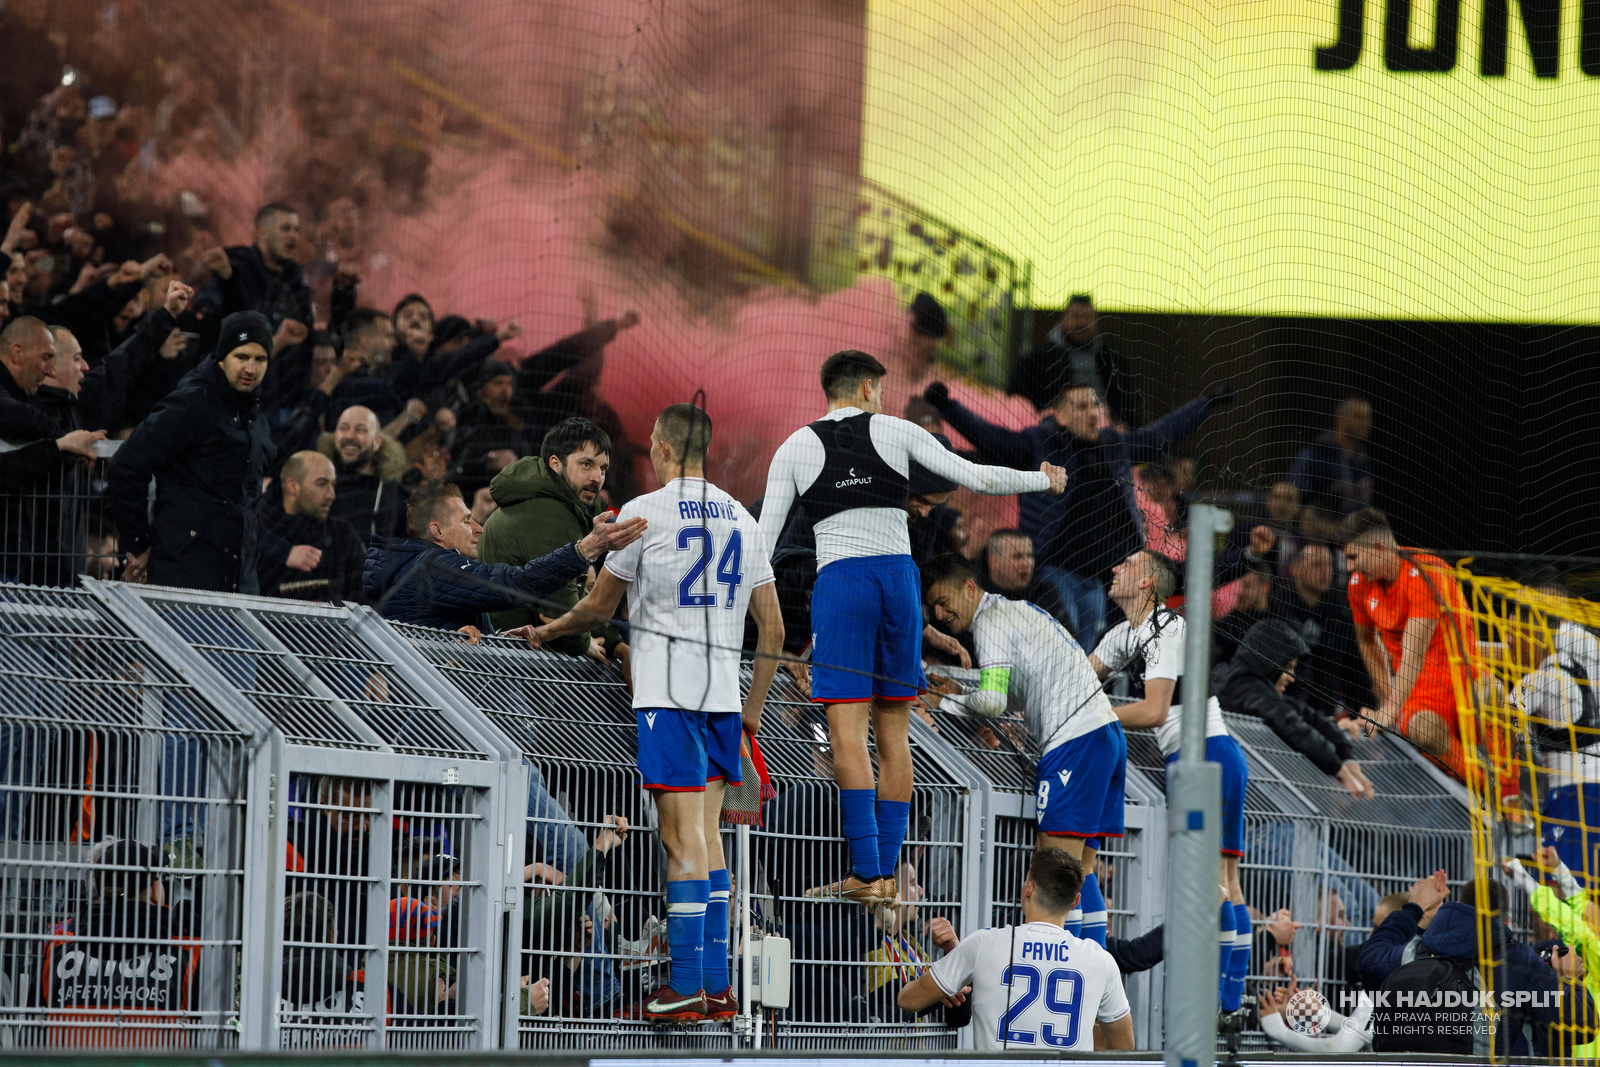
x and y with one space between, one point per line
405 782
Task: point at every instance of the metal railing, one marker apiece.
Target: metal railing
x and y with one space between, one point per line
347 834
58 527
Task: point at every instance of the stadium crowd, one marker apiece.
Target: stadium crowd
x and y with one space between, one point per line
451 475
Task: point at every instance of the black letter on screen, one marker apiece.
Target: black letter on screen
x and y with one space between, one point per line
1343 53
1542 20
1590 55
1398 55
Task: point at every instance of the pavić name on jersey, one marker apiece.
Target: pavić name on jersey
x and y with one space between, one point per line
1045 950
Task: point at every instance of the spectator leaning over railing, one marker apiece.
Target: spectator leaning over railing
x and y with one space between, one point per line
30 519
546 501
208 449
434 578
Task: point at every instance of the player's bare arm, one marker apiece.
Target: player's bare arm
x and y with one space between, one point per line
769 647
1114 1036
597 607
924 993
1152 710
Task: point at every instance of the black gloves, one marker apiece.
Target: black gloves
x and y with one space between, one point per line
1220 395
938 395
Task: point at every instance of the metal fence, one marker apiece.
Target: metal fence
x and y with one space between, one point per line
56 527
240 822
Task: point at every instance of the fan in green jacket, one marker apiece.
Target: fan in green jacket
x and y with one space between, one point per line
1568 913
547 501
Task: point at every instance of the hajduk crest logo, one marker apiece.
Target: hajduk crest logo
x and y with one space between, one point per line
1306 1012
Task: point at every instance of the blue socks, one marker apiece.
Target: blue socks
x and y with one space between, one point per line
686 928
1094 911
892 816
1228 996
715 964
1239 960
859 824
1074 923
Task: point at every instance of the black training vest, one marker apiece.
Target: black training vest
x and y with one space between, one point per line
853 474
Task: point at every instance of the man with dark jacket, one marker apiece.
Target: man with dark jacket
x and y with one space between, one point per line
433 577
264 277
298 515
1074 350
208 448
1430 922
489 435
1336 471
1006 566
1331 676
32 546
1252 683
1079 535
369 466
545 502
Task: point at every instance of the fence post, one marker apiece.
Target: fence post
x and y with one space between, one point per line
1194 832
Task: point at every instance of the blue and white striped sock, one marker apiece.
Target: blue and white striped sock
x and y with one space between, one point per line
1226 995
1094 911
686 930
715 964
1074 923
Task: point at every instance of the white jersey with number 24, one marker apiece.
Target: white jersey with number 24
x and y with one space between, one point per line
1057 987
690 579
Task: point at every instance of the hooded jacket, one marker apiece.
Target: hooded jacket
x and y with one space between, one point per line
1518 968
370 496
1247 685
1096 522
416 581
539 512
208 449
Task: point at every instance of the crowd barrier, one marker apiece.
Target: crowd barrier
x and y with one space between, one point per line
357 835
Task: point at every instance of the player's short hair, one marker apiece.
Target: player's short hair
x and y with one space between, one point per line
844 371
1366 524
1165 573
424 505
569 436
1056 878
948 567
265 213
359 322
687 429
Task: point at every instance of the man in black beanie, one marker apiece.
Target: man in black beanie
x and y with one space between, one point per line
208 447
490 436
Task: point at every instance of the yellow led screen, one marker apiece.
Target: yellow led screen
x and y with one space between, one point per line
1364 158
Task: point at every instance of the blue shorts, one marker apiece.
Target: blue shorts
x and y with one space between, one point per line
1575 832
866 616
680 751
1081 785
1235 775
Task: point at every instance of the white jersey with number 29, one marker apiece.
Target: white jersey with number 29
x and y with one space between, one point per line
1035 987
690 579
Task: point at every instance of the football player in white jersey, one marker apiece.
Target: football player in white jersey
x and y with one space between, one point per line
1149 646
690 580
1034 986
1031 664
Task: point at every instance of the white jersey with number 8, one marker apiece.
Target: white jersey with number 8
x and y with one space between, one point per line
1034 988
691 575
